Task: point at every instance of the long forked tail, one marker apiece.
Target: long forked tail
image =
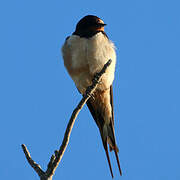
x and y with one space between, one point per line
101 108
116 154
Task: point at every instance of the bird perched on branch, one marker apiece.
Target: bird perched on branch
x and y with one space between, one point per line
85 52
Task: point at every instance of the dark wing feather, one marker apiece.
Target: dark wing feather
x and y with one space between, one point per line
112 103
116 150
99 119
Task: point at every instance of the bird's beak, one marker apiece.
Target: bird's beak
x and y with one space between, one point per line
102 25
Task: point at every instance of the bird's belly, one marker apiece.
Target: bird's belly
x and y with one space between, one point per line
99 51
88 58
82 81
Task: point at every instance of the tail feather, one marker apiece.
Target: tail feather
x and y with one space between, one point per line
101 107
109 162
117 159
110 139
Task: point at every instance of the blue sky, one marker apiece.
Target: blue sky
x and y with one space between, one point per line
37 95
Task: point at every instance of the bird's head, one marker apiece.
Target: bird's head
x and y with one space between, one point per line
89 25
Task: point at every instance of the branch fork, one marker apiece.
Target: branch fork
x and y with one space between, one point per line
58 154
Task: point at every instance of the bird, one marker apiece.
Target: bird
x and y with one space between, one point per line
84 53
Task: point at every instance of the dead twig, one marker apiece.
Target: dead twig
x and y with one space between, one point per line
57 156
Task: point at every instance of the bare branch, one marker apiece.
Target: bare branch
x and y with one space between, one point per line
55 159
33 164
75 113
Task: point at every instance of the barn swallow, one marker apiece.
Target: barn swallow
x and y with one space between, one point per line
85 52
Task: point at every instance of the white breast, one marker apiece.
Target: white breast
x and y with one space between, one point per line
84 57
